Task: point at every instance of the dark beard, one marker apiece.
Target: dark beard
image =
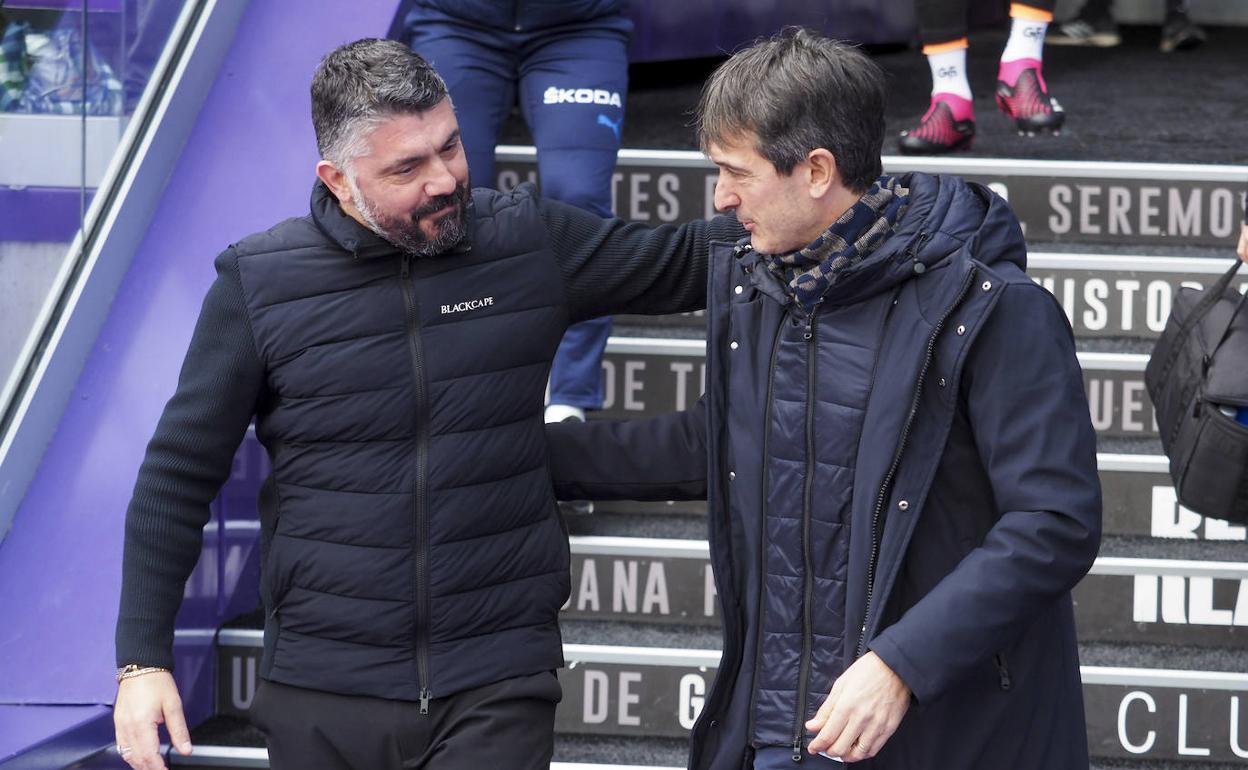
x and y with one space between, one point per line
406 234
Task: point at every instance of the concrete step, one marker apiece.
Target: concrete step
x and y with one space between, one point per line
1123 295
1156 713
1159 204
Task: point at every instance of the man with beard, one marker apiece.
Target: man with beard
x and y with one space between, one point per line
393 348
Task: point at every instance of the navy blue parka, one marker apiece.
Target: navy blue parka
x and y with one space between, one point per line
910 469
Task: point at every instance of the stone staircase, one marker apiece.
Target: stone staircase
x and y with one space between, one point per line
1162 617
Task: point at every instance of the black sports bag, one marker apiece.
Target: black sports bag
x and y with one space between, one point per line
1199 364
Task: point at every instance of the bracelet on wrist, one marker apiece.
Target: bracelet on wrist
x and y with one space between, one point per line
135 669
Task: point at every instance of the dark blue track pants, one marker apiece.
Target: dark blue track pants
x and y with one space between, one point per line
571 82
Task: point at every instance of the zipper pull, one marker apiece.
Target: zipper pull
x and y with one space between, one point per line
917 246
403 271
810 320
424 691
797 749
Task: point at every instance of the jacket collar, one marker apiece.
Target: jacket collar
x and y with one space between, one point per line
357 239
944 215
755 266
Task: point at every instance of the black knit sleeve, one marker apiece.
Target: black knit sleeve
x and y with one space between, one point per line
611 266
187 461
657 458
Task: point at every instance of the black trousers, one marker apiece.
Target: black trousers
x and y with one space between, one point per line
504 726
943 21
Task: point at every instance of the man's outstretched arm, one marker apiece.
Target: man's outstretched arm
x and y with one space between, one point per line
610 266
659 458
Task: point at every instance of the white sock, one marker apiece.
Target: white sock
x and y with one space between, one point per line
1026 40
949 73
561 412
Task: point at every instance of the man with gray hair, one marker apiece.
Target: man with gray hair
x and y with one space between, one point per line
393 348
902 484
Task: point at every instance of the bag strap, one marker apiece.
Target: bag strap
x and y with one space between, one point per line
1208 298
1217 293
1212 295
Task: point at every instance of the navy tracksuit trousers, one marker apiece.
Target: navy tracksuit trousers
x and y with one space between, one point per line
571 81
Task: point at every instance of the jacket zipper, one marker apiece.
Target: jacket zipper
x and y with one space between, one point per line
762 528
808 581
421 518
901 448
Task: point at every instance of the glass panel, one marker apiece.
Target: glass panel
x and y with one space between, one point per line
71 74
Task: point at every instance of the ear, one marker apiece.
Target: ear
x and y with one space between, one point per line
336 180
824 174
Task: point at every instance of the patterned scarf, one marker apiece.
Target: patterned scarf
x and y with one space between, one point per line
811 271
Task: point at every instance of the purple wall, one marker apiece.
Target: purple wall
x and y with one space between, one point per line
65 734
248 164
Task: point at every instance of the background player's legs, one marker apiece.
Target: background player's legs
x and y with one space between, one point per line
478 65
949 123
1021 91
573 83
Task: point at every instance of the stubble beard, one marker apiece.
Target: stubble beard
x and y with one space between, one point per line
405 233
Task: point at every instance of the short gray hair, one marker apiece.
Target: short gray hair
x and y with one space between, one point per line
796 92
362 83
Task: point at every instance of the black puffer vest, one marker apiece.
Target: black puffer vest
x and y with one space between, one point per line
412 547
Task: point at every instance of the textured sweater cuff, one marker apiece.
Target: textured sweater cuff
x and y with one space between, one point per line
138 642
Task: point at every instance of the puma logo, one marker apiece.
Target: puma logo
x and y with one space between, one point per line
614 125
